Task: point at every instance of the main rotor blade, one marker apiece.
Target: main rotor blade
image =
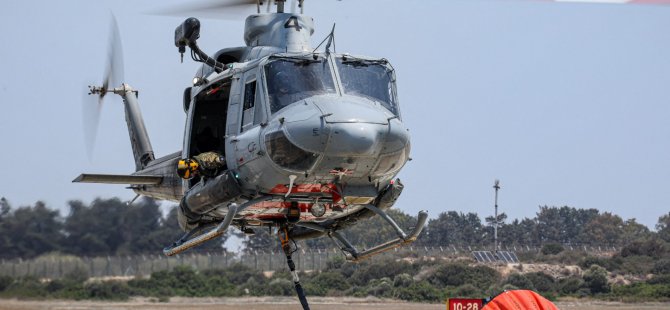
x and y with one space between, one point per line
224 9
659 2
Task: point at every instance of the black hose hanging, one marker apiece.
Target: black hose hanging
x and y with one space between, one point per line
286 246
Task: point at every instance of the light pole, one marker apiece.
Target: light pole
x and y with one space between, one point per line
496 185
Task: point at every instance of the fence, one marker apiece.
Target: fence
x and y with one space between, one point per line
53 266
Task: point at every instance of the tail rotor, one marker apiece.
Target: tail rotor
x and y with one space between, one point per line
95 97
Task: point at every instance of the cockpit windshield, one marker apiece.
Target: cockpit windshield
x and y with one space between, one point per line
290 80
372 79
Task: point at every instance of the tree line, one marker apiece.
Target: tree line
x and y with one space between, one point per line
564 225
111 227
103 227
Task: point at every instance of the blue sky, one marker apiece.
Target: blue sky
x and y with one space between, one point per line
565 103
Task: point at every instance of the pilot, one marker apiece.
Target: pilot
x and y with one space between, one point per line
283 91
284 85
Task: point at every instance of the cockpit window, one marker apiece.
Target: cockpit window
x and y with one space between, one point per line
372 79
291 80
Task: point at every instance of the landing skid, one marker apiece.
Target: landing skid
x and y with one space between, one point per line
188 241
352 254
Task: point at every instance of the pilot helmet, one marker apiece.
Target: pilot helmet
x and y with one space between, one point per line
283 82
186 168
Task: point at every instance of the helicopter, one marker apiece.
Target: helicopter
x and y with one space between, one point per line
278 135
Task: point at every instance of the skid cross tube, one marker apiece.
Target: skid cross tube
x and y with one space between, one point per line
350 252
388 219
421 222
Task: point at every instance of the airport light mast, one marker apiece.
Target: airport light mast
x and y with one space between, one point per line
496 185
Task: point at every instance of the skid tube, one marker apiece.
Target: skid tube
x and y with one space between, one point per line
353 255
186 242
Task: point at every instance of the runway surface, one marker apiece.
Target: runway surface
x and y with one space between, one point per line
277 303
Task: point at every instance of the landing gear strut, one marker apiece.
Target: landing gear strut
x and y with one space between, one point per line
288 250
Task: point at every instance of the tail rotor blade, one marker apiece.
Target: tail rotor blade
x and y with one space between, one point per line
114 68
95 94
91 108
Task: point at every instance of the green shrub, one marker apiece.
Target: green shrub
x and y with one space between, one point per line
281 287
320 284
662 279
542 282
335 263
662 267
380 287
595 279
552 249
457 274
569 286
419 292
67 289
5 281
636 264
238 274
185 281
467 291
385 268
651 247
77 275
519 281
402 280
109 290
26 288
589 261
642 291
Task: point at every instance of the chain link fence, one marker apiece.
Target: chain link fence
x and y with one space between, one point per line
57 266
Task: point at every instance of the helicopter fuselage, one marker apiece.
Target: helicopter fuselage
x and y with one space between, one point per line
277 134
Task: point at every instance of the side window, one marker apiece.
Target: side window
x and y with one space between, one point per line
248 104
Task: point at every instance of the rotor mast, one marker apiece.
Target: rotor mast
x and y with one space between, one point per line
280 5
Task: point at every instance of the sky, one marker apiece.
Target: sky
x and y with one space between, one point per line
565 103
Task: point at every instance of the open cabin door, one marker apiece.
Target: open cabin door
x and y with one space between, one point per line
206 126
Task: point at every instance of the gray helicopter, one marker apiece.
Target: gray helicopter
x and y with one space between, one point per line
277 135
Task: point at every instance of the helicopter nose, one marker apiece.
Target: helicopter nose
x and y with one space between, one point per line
317 135
344 129
355 139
